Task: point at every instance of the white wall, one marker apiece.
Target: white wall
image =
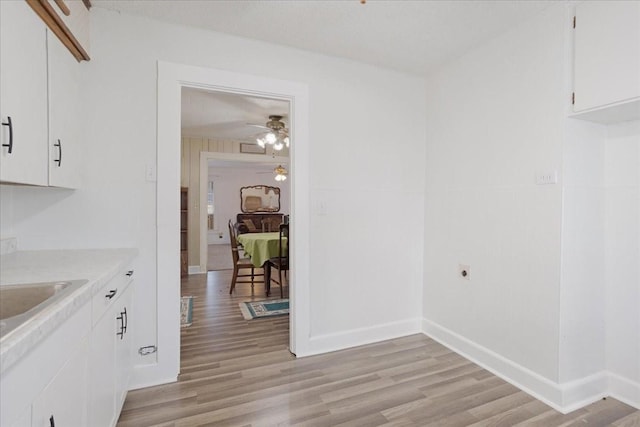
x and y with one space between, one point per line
359 249
582 292
495 118
622 256
553 301
6 211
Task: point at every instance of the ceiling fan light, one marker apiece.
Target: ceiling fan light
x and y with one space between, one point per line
278 146
281 173
270 138
260 142
286 141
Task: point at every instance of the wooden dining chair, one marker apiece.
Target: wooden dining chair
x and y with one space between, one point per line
241 263
281 262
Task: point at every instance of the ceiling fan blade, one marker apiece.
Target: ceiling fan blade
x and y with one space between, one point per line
257 126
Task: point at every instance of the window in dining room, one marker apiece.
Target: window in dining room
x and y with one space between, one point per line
210 207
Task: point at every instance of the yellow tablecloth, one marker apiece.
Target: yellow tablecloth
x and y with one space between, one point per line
260 246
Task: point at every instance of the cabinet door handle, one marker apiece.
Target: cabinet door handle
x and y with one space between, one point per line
126 320
10 144
130 273
112 293
52 422
59 159
120 333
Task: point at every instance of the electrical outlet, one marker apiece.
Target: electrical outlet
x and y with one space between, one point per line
464 271
547 177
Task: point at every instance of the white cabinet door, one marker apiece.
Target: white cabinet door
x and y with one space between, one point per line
23 95
607 53
124 347
111 354
65 145
64 400
102 382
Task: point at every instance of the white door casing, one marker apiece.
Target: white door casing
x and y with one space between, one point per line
171 78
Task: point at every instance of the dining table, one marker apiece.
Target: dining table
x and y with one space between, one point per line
260 247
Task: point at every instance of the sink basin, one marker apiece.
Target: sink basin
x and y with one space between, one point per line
19 303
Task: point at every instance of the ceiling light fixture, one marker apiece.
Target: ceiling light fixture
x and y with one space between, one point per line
277 135
281 173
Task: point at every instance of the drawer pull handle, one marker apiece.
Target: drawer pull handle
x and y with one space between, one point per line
59 159
130 273
112 293
52 422
10 144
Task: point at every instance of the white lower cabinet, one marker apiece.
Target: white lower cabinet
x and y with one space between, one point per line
102 405
78 375
111 351
64 401
124 350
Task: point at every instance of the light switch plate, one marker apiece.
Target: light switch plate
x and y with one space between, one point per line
547 177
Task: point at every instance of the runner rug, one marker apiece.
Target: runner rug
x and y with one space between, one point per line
259 309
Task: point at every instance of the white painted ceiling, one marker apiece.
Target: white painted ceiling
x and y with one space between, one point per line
227 116
410 36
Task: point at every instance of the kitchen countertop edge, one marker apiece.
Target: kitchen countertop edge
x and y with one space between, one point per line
97 266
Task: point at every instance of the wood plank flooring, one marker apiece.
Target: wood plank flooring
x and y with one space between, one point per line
239 373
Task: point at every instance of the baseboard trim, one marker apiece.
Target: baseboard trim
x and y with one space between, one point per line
355 337
195 269
150 375
564 398
624 390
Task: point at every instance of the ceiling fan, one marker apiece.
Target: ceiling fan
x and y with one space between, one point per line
279 171
276 133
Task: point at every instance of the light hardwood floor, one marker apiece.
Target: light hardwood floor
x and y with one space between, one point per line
240 373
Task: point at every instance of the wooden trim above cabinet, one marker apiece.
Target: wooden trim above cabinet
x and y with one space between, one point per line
55 23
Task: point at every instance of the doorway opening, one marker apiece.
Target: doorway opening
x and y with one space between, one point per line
221 160
171 79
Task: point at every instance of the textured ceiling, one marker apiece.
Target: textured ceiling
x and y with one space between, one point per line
410 36
227 116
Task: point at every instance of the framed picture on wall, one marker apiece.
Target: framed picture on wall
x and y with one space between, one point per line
252 149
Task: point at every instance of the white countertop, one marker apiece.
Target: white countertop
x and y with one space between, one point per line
98 266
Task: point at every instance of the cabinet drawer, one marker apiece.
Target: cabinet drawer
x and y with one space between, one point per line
110 293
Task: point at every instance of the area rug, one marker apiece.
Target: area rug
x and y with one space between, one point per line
186 311
259 309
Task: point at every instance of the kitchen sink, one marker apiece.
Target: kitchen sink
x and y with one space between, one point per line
19 303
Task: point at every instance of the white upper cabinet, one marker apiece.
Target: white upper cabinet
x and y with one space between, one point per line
607 61
65 124
39 103
23 95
